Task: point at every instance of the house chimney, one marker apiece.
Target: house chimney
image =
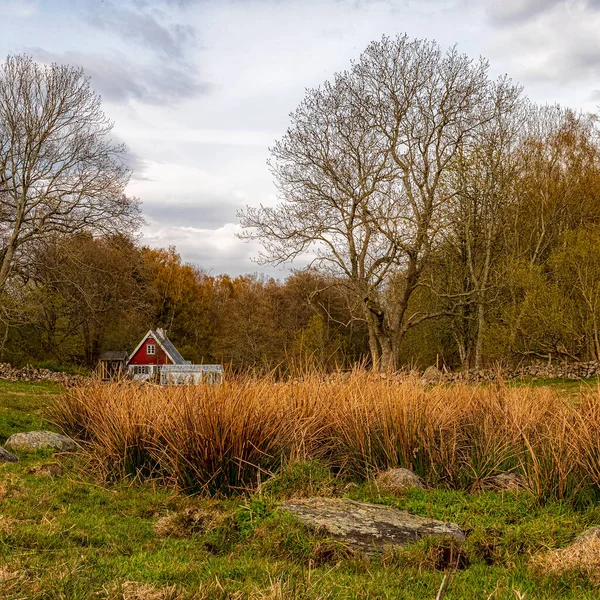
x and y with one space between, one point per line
161 332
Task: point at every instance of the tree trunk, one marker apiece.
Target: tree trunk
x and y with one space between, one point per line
6 264
480 332
374 348
381 343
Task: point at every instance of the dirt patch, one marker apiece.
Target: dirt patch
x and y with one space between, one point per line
52 469
6 526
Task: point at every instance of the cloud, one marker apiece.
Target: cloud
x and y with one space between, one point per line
204 211
171 40
19 9
508 12
214 250
557 49
137 165
118 80
150 58
187 196
511 11
211 137
578 59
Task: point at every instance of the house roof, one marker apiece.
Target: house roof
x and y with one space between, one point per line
165 343
114 355
168 347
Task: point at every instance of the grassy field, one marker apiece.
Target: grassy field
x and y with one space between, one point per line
67 534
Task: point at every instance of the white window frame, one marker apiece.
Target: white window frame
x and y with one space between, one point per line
151 349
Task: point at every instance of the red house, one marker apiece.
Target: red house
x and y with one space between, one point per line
154 350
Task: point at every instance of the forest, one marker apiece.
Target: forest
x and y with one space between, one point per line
449 219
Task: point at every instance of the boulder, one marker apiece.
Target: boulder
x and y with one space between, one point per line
367 528
398 480
7 457
38 440
432 375
508 482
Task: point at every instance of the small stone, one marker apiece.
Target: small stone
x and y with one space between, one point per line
509 482
7 457
46 470
38 440
367 528
397 480
588 535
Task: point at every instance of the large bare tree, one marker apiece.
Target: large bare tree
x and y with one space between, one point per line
59 170
363 176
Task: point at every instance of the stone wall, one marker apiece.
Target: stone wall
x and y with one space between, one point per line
31 374
535 370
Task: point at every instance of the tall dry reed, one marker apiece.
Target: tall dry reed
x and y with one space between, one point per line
223 438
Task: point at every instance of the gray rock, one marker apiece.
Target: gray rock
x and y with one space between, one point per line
365 527
38 440
587 535
7 457
397 480
509 482
432 375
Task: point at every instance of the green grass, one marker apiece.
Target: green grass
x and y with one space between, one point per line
22 405
566 386
71 537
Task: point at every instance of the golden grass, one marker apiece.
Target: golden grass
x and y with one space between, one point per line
137 591
231 437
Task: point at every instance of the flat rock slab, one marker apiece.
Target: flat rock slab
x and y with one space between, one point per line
38 440
367 527
7 457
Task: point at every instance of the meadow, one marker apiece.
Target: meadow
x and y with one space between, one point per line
175 492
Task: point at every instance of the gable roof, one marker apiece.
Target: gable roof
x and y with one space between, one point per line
165 343
168 347
114 355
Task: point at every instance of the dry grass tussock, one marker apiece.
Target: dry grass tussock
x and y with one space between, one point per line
188 521
131 590
278 589
231 437
583 556
10 581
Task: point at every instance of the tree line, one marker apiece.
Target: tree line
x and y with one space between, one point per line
448 220
90 294
448 207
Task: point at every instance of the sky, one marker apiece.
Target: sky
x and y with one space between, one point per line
200 89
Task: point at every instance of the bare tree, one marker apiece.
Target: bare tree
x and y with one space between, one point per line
59 170
363 175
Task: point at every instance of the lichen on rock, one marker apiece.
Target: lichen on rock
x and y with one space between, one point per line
368 528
